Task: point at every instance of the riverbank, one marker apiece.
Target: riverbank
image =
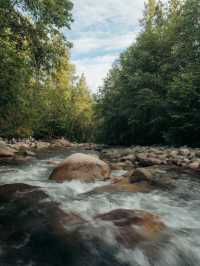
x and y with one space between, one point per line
135 156
140 215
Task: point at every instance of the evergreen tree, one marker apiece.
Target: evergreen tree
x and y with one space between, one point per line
152 96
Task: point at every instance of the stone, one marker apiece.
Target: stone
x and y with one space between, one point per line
130 157
141 174
116 166
82 167
5 150
184 152
21 146
36 231
123 185
194 165
30 153
154 176
42 145
173 153
134 226
145 161
62 143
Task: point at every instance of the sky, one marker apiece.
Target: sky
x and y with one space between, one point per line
101 30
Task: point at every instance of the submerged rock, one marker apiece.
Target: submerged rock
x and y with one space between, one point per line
134 226
35 231
123 185
81 167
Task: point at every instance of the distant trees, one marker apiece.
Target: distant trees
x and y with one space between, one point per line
152 93
39 89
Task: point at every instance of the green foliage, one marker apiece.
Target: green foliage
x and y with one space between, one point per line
152 94
39 90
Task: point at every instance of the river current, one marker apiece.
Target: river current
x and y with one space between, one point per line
179 209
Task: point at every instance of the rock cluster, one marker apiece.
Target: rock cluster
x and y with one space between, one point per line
138 156
35 231
21 151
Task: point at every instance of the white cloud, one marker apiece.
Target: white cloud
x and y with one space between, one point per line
92 12
95 69
102 27
85 45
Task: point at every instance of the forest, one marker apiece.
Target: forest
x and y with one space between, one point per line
150 96
40 95
107 176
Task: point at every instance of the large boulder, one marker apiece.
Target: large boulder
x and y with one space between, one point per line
82 167
5 150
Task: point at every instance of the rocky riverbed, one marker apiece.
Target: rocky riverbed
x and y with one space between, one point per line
86 204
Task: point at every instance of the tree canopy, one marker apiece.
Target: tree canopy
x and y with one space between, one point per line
38 83
151 95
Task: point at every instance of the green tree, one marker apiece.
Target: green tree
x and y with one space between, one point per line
82 102
151 95
27 56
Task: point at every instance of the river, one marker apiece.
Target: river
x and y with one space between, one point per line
179 209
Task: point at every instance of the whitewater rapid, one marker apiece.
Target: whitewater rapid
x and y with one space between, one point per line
179 209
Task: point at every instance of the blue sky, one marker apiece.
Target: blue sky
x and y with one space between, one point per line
101 30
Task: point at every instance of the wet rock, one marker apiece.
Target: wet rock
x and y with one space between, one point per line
17 160
116 166
90 146
123 185
62 143
21 146
81 167
31 205
134 226
130 157
194 165
197 153
35 231
30 153
42 145
141 174
154 176
145 161
173 153
25 152
184 152
5 150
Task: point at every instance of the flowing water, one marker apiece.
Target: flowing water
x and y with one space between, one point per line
179 209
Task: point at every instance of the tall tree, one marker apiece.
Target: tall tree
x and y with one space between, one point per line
149 13
152 97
